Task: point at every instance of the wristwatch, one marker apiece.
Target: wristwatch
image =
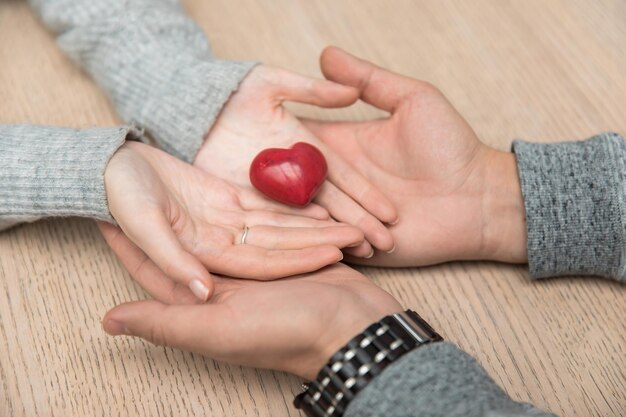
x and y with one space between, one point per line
364 357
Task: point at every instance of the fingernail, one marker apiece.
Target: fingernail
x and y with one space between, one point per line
395 221
199 289
341 258
370 254
115 328
392 250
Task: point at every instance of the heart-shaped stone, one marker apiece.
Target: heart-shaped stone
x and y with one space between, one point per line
292 176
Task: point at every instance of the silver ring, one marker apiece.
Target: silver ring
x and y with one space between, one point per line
245 234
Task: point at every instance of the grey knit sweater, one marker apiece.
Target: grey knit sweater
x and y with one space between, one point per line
157 68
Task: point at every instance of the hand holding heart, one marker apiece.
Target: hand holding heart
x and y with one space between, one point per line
189 223
456 197
254 119
446 184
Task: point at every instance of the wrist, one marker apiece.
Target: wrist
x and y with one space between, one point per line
111 171
362 359
227 125
344 329
504 234
123 169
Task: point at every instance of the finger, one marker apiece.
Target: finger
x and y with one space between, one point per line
290 86
153 233
268 218
364 250
272 237
253 262
378 87
351 182
170 325
143 270
344 209
251 200
344 175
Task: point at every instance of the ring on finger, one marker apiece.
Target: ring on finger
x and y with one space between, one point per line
244 235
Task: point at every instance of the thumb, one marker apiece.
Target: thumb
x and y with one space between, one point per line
153 233
144 270
378 87
185 327
141 204
290 86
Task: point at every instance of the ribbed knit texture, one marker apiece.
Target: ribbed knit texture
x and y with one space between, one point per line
51 171
152 60
437 380
575 199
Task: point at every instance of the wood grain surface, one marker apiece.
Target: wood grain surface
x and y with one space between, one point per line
543 70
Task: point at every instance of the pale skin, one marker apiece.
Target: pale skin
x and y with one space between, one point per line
191 223
188 242
254 119
293 325
456 199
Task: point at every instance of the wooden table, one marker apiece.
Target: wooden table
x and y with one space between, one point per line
544 70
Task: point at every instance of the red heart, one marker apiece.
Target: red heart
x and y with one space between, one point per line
292 176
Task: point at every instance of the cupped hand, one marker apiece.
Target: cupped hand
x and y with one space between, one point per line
255 119
456 197
294 325
189 223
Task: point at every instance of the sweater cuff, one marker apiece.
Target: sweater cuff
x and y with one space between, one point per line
575 200
436 380
179 105
51 171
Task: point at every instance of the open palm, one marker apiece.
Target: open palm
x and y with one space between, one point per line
424 156
188 222
255 119
294 324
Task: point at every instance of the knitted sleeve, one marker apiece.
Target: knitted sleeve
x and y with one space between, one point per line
437 380
153 61
575 200
51 171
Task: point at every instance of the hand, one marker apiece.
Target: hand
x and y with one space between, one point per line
456 197
293 325
254 119
187 221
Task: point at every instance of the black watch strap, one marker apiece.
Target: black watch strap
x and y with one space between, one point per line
364 357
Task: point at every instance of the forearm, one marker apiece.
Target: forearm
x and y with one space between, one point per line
152 60
437 380
51 171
